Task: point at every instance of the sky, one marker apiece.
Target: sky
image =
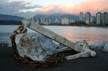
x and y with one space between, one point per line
29 8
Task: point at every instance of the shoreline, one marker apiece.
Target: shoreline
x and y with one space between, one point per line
105 26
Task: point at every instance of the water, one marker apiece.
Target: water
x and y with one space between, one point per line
91 34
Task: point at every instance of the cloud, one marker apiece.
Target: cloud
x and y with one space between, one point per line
92 6
50 9
28 8
88 5
17 7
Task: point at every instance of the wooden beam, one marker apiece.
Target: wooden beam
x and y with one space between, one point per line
50 34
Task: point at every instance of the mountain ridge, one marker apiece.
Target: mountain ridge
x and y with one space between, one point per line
10 20
10 17
57 16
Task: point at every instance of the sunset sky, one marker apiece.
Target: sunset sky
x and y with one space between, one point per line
28 8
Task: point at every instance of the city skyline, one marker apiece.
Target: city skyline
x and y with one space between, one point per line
28 8
84 18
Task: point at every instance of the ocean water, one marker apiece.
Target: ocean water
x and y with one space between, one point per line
91 34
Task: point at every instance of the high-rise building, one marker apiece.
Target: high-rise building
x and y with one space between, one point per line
49 21
88 17
46 22
81 16
41 20
71 21
93 19
57 21
65 20
98 18
105 18
36 21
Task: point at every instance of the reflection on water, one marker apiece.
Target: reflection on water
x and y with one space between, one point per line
91 34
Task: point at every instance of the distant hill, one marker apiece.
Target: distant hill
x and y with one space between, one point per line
9 20
57 16
10 17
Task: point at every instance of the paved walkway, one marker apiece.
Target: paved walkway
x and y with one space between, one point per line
99 63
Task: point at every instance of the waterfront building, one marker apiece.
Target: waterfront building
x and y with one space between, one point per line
71 21
46 22
49 21
105 18
88 18
57 21
93 20
98 18
36 21
81 16
41 20
65 20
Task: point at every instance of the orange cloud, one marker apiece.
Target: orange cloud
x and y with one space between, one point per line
92 6
89 5
49 8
